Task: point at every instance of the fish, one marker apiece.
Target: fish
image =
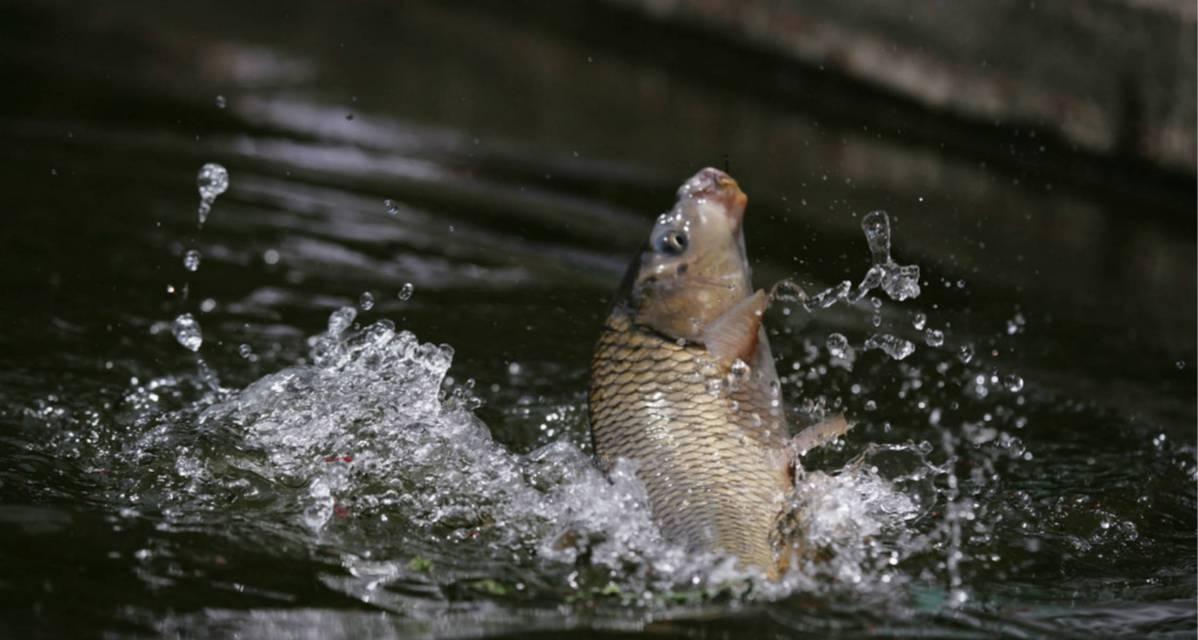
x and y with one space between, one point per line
683 384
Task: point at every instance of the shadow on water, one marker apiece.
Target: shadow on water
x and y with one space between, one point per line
525 153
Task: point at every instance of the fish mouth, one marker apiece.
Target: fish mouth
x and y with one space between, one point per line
714 185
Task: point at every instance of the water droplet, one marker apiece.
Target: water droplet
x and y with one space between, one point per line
788 291
837 345
270 256
187 331
1015 325
933 337
965 353
366 301
341 319
870 405
191 260
220 102
876 320
739 370
919 321
212 180
893 346
207 305
391 206
1013 383
406 291
876 225
1180 364
245 351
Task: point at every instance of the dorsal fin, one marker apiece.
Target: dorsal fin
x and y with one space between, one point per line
734 334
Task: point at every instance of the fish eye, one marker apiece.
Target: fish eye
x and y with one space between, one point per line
671 243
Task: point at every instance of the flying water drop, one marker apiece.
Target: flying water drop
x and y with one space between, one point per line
341 319
220 102
837 344
933 337
366 301
405 292
191 260
212 180
187 332
919 321
391 206
1013 383
893 346
965 353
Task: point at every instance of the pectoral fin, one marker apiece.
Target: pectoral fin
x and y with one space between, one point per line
734 335
820 434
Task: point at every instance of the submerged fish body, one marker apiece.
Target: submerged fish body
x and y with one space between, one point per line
683 383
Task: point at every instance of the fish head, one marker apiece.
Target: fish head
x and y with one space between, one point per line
694 266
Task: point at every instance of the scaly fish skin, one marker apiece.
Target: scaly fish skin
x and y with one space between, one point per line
683 383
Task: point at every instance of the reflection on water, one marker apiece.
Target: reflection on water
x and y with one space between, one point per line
1028 470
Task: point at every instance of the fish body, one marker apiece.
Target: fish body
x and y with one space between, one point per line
683 383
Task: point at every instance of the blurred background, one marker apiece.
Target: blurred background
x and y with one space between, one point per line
1037 159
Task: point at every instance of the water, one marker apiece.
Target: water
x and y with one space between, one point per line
421 468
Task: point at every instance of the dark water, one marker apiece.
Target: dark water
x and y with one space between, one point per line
1043 487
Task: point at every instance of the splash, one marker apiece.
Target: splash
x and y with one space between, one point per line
899 282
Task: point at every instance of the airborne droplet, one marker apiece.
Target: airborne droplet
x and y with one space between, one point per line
391 206
837 345
187 332
405 292
191 260
933 337
893 346
212 180
341 319
366 301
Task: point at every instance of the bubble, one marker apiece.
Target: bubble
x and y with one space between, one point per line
187 331
893 346
220 102
933 337
391 206
1012 382
837 345
208 305
341 319
366 301
270 256
191 260
245 351
965 353
919 321
406 291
